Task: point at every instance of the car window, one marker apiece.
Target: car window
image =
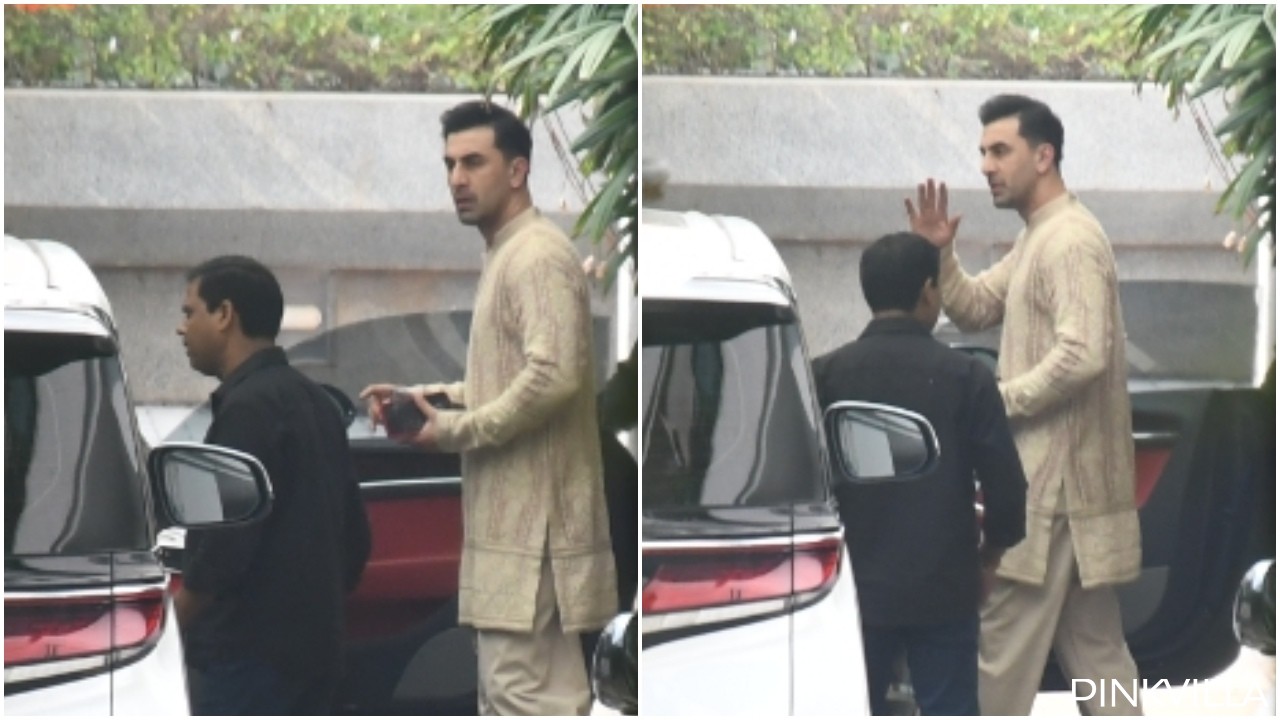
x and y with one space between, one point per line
73 482
1174 330
1189 330
729 418
400 349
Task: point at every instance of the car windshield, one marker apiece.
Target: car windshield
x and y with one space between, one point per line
73 483
399 349
728 415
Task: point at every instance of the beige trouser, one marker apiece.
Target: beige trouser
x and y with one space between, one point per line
1021 622
535 673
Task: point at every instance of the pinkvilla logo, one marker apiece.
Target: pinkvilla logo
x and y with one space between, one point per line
1116 693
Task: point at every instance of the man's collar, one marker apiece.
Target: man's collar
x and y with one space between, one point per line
266 357
1050 209
527 217
895 325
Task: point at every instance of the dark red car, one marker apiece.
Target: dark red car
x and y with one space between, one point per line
405 651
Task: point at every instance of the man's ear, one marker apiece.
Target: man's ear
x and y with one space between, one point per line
929 292
922 295
1044 157
224 315
518 172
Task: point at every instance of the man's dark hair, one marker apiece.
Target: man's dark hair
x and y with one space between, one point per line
252 289
894 269
1036 122
509 133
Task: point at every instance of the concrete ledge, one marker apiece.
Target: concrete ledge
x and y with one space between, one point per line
344 196
1131 217
869 133
823 167
242 150
352 239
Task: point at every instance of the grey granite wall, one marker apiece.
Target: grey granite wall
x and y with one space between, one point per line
823 167
344 196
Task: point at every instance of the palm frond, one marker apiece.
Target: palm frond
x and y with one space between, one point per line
1195 50
554 56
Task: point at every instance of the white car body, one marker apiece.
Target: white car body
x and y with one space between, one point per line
756 669
155 685
51 293
795 655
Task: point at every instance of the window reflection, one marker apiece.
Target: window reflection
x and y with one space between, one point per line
72 480
727 420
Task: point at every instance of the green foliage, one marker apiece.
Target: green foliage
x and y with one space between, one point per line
943 41
410 48
557 55
1196 49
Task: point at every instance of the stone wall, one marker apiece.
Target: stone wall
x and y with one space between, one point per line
343 195
823 167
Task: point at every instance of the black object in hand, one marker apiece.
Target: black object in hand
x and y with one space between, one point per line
402 416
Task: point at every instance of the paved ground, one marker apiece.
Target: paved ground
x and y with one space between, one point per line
1238 690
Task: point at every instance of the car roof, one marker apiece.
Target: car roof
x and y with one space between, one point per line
690 255
49 275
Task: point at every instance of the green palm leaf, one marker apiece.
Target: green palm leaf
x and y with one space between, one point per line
1198 49
584 55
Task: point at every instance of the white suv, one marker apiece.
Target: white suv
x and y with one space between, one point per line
748 604
88 621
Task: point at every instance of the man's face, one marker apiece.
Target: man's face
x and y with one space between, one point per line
1012 166
481 180
202 331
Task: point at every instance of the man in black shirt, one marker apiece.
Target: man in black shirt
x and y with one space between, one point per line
919 560
262 605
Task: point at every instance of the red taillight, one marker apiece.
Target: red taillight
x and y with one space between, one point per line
1149 463
50 635
716 576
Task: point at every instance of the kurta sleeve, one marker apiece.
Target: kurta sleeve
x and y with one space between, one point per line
975 303
1076 277
546 298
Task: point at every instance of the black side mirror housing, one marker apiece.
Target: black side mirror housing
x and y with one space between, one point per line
1255 609
615 665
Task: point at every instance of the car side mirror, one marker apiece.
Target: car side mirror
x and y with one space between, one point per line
205 485
614 667
873 442
1255 609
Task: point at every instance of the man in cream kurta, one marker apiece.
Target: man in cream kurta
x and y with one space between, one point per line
537 565
1063 376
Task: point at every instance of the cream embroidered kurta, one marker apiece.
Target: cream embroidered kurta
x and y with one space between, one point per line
532 479
1063 376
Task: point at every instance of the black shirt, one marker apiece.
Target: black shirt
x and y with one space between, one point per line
913 543
278 586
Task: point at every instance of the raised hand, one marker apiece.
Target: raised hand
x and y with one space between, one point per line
931 221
